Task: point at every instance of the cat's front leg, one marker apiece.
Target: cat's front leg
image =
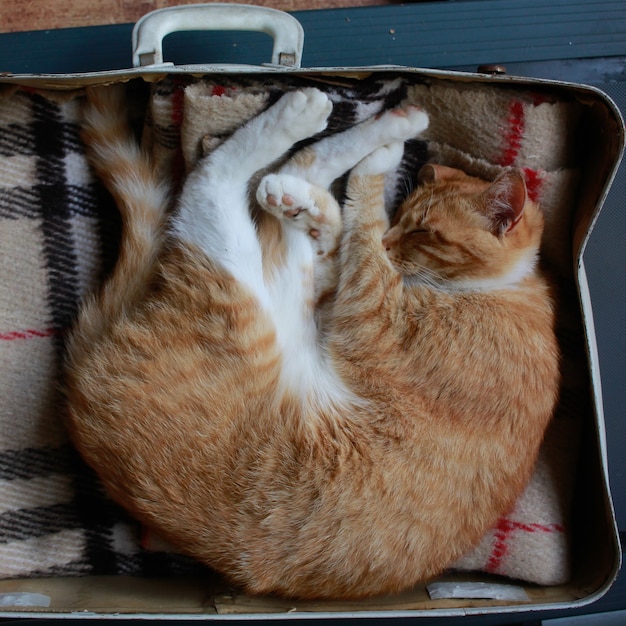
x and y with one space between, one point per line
370 292
298 285
366 205
366 277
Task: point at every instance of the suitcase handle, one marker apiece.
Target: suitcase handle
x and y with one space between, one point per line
150 30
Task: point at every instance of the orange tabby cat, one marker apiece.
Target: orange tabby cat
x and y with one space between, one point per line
316 456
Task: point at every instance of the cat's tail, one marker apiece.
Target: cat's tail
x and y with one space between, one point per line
142 199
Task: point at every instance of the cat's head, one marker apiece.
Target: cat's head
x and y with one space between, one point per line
459 232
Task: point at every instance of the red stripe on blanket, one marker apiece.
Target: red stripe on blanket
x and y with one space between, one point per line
533 184
178 112
504 530
539 98
514 134
178 102
28 334
145 537
513 142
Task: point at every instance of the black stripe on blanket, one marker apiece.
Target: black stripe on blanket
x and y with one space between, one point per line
22 524
159 564
51 148
19 202
97 515
32 462
57 146
16 139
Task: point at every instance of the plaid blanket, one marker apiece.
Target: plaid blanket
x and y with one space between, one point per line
59 233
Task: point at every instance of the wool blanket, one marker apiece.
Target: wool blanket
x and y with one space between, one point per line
59 235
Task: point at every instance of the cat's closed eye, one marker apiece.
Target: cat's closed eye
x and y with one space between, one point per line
420 234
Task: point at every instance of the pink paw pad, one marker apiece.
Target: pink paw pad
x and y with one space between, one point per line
398 112
405 111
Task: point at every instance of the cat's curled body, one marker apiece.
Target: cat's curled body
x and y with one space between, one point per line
317 455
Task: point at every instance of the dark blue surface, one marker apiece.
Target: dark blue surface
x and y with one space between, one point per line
431 34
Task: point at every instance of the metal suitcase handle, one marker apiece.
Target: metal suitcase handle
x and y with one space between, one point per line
152 28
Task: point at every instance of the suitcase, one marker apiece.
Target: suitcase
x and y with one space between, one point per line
65 550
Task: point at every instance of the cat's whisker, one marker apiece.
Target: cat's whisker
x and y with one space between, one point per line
430 276
427 277
407 185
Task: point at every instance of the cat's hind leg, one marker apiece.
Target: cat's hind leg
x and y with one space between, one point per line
311 226
311 221
302 206
213 211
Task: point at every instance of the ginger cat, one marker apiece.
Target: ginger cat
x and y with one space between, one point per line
316 405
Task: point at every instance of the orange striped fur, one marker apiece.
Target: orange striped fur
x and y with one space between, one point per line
433 371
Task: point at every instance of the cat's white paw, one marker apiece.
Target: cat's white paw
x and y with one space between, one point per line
405 123
305 112
287 197
382 160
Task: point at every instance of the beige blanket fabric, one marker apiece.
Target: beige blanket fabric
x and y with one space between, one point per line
58 236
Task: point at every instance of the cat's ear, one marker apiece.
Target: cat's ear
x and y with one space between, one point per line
505 200
431 172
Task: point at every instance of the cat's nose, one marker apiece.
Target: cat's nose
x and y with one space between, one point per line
389 239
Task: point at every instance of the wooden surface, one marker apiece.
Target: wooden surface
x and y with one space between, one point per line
25 15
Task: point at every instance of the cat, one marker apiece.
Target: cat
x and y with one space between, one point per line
318 404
